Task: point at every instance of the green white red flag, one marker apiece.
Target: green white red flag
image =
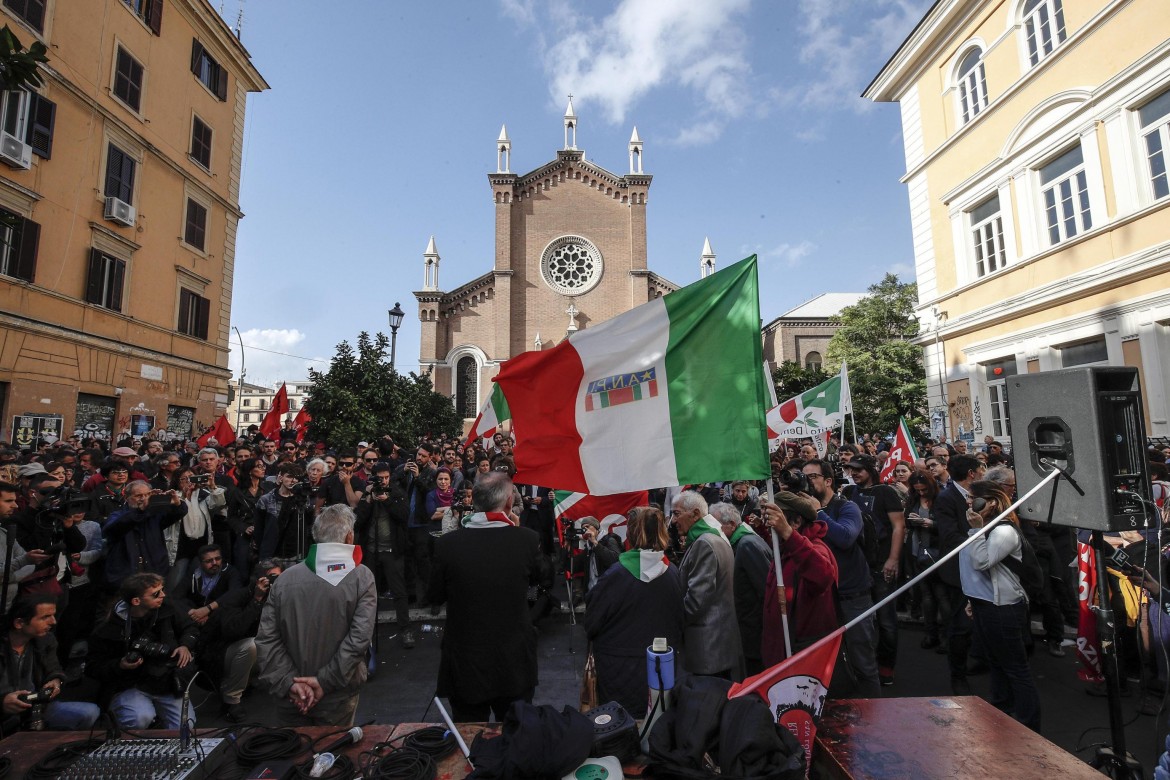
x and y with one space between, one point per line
820 409
610 511
795 689
493 412
902 449
669 393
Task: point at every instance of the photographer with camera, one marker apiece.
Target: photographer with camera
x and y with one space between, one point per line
417 478
31 676
204 500
381 529
47 526
141 654
600 550
284 517
345 485
135 533
109 495
454 514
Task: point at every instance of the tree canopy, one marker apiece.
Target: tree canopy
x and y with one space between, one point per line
792 379
18 66
886 375
361 397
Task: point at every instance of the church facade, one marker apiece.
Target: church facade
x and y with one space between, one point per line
570 252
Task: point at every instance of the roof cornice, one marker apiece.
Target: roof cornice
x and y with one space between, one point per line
570 158
920 49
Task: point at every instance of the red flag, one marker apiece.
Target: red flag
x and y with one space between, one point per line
222 432
1088 649
795 689
903 449
301 423
610 511
270 427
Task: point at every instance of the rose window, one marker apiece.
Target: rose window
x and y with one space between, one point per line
571 265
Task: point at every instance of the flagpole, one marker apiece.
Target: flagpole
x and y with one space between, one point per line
934 566
779 579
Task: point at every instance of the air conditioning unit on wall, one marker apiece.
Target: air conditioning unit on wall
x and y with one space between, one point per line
15 152
118 210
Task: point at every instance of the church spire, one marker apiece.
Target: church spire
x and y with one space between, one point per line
635 152
570 125
503 151
706 260
431 266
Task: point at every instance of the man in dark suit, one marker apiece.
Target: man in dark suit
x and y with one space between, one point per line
950 517
483 571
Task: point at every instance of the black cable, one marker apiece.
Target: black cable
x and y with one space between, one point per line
402 763
435 741
270 745
5 766
61 758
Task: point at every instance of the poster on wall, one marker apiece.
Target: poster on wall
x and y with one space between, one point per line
141 424
95 416
180 421
31 430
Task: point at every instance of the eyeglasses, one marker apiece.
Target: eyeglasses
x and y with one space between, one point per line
370 460
345 463
290 449
158 594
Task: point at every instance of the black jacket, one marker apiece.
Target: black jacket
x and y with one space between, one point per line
111 640
189 593
383 522
950 517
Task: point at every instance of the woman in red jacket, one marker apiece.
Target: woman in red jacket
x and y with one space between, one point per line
810 572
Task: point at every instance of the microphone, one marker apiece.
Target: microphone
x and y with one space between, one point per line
350 737
184 723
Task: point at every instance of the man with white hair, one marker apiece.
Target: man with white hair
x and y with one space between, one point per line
711 637
753 559
316 628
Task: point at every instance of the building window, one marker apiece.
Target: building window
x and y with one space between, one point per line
208 71
120 169
972 85
149 11
195 229
106 277
128 80
201 143
292 404
1085 353
466 387
813 361
31 12
263 404
247 402
194 312
1043 28
1066 196
1155 121
987 235
18 246
995 375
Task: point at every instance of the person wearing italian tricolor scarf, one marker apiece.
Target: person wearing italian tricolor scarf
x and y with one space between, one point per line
809 570
633 602
316 628
753 560
482 572
711 638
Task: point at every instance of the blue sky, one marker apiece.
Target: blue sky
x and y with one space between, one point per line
381 124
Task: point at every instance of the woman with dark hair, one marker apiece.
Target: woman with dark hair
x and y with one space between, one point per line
999 604
632 603
924 550
241 510
441 498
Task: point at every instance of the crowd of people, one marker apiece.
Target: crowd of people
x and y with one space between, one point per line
141 565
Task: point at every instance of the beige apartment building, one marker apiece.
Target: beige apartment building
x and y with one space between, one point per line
1035 136
120 179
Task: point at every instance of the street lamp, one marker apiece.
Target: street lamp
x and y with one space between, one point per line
396 315
240 379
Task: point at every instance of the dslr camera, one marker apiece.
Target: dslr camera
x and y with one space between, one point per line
794 482
143 647
43 696
200 480
304 490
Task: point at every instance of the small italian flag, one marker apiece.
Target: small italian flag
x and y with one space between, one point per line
815 410
669 393
494 412
903 449
610 511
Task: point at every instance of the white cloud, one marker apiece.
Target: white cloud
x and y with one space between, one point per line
904 271
846 41
270 356
792 254
645 45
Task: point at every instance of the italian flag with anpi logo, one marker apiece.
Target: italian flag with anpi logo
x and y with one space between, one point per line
669 393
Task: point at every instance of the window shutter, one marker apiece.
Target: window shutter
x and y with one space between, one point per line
26 258
93 288
196 55
154 16
202 315
119 276
42 114
184 311
113 171
221 83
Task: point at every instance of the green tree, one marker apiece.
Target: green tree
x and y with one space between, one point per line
792 379
19 66
886 377
361 397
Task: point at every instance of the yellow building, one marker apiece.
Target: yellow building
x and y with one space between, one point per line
120 179
1035 135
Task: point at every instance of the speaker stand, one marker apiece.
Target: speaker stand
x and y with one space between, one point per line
1111 760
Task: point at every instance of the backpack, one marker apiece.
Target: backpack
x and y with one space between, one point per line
870 539
1028 570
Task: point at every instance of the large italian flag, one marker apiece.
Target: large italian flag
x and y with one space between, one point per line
494 412
669 393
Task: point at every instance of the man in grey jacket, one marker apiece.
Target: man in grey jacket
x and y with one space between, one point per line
317 626
753 559
711 637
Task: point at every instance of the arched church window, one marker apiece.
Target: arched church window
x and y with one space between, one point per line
812 361
571 265
466 385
